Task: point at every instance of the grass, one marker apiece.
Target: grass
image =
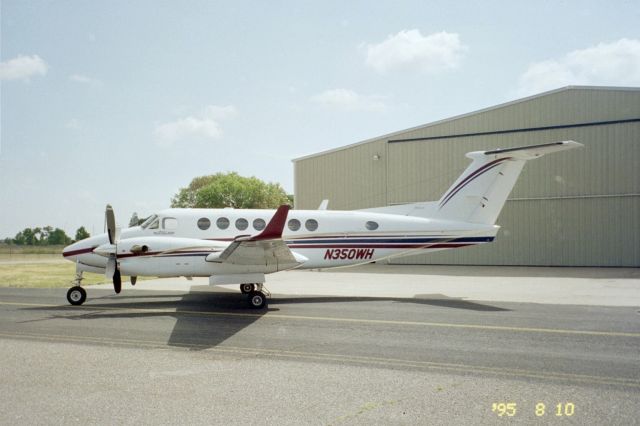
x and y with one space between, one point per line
13 250
42 270
43 274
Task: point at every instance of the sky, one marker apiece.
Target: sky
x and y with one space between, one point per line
124 102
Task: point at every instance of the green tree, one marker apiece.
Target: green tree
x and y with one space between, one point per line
25 237
230 190
45 234
58 237
81 234
37 236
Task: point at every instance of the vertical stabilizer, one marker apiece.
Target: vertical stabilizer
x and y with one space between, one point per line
479 194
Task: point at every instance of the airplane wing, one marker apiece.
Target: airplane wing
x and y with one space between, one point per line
265 249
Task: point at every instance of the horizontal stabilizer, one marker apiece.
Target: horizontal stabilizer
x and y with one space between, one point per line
533 151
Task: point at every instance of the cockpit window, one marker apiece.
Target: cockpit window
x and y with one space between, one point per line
149 221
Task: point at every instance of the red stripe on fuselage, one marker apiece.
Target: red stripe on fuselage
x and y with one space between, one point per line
77 252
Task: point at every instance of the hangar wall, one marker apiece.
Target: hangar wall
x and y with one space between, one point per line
578 208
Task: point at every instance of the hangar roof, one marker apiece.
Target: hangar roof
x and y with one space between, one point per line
457 117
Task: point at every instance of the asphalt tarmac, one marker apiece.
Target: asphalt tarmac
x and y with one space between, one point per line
204 358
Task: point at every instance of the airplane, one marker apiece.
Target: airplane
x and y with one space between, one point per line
241 246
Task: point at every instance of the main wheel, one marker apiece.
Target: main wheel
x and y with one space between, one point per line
257 300
76 295
247 288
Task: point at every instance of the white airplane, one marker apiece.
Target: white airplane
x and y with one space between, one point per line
240 246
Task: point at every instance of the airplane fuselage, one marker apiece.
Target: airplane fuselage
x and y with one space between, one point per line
324 238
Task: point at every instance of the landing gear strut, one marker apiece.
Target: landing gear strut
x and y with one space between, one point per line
76 294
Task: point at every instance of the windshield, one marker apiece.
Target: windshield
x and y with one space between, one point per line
149 221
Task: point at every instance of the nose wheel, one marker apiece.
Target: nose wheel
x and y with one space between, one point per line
76 295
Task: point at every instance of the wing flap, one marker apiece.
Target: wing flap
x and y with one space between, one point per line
266 249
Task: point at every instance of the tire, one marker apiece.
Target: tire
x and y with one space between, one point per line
247 288
257 300
76 295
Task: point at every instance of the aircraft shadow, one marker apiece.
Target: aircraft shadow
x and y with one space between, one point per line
433 300
472 271
206 319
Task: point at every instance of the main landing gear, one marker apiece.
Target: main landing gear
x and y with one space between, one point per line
247 288
76 294
255 295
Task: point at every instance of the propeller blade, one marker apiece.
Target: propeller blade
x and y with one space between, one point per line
112 271
111 267
133 280
111 223
117 281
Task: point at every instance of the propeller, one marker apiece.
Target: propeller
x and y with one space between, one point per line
112 271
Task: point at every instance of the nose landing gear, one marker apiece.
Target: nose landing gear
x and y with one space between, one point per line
76 295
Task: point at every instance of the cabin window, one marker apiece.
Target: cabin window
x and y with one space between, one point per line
311 224
371 225
242 224
259 224
222 223
294 224
169 223
204 223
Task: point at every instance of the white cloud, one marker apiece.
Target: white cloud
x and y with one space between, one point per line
616 63
348 100
83 79
200 126
23 67
409 49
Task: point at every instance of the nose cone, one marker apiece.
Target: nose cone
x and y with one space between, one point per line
76 249
83 247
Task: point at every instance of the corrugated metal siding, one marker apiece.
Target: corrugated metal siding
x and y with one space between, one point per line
350 179
571 106
609 163
576 231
